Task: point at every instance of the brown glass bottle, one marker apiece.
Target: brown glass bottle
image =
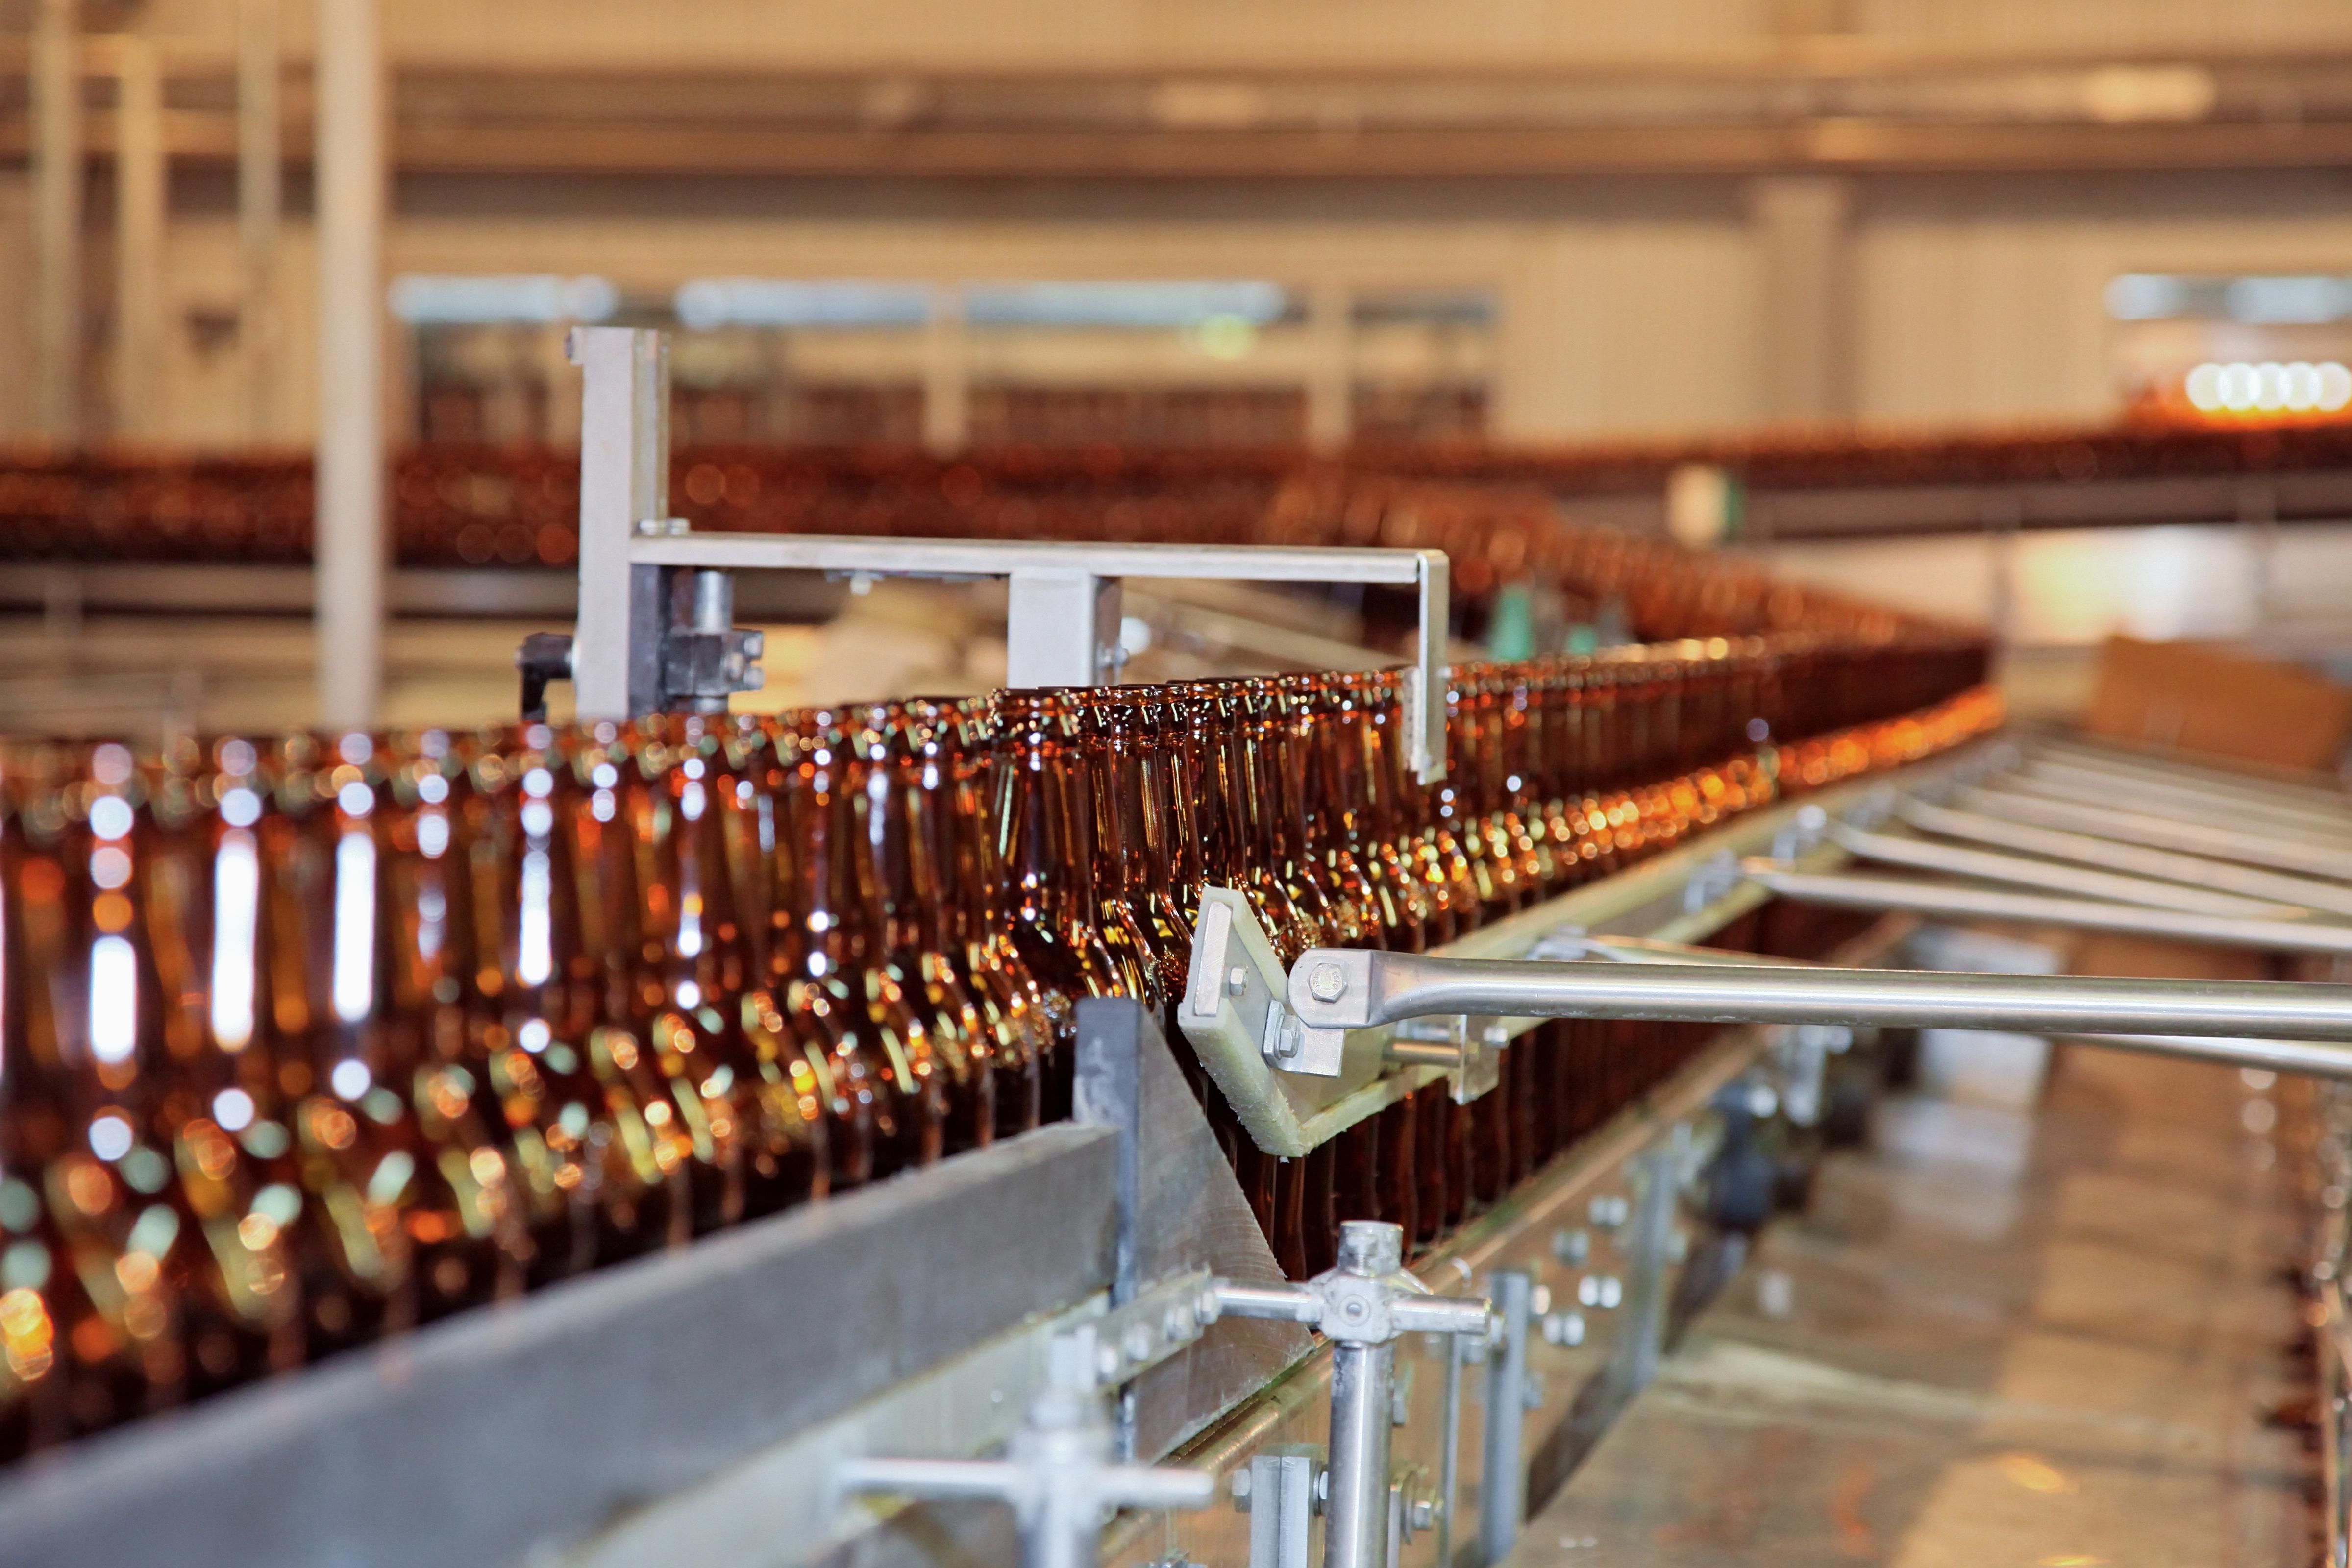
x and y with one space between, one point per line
537 994
68 1363
398 1226
957 809
222 1104
884 1116
912 985
1049 872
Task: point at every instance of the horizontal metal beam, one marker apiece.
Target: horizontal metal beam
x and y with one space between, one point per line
1948 901
850 555
584 1401
1344 988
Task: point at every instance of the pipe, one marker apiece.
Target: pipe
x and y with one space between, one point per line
2133 860
1888 894
1957 860
2309 1058
351 444
2059 806
1373 988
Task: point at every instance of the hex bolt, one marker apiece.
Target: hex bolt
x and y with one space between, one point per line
1328 983
1238 981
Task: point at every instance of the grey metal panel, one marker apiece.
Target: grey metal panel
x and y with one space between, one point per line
500 1433
1189 1214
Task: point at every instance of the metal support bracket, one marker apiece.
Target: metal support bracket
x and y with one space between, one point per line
646 643
1362 1305
1060 1474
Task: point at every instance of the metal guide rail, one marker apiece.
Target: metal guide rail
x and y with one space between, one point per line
1304 1054
656 628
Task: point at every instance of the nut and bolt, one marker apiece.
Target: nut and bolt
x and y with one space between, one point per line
1329 983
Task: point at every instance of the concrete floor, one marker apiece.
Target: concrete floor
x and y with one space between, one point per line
2046 1338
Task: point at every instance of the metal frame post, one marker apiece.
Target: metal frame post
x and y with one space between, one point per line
58 172
624 479
1361 1305
1062 628
260 184
1502 1466
350 473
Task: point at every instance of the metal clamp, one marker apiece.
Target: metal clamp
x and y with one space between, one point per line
1362 1304
1060 1473
1057 1475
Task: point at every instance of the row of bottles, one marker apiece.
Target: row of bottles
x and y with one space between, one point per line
309 1041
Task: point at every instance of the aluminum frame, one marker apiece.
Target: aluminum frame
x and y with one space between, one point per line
1063 604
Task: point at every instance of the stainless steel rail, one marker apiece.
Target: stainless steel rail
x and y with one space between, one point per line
1344 988
1918 854
2092 810
1887 894
2132 860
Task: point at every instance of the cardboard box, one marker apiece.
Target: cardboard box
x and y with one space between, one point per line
2197 697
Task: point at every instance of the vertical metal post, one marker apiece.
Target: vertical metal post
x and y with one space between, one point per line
946 375
259 203
1424 700
1502 1466
1449 1463
1061 629
1356 1515
1108 1092
616 646
141 199
56 220
1331 387
1645 1304
350 473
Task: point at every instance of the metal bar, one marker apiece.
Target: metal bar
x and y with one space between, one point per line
1356 1516
260 201
617 641
1360 989
2087 810
1064 610
140 215
2134 860
585 1401
2188 804
2309 1058
1502 1464
848 553
2325 812
349 175
2200 800
1918 854
1951 901
57 179
2294 786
